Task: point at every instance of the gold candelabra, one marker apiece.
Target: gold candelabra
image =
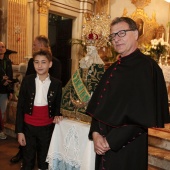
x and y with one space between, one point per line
77 105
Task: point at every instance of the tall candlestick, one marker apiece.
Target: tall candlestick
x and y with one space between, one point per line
162 35
167 38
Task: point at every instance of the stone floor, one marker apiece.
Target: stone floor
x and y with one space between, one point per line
9 147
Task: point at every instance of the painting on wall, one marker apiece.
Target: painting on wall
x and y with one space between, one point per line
144 22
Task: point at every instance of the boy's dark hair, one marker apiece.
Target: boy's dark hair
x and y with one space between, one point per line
43 52
129 21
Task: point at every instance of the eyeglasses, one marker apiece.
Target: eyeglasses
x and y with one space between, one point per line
121 33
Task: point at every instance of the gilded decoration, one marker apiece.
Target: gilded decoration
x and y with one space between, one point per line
147 26
3 21
43 6
140 3
17 29
98 25
102 6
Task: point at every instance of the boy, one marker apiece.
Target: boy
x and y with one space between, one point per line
40 42
38 108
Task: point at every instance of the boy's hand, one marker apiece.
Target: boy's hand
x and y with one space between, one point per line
57 119
21 139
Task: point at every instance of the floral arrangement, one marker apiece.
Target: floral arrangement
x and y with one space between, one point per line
157 48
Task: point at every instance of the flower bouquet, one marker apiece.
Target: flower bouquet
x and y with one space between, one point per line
156 49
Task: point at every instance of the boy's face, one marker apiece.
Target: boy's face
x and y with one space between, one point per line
42 65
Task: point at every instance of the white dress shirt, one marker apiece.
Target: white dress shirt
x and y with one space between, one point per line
41 91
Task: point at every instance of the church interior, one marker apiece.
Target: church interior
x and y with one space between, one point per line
65 23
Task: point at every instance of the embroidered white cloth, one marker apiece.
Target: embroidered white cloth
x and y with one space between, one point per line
70 148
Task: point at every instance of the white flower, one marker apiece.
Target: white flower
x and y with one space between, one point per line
156 48
154 42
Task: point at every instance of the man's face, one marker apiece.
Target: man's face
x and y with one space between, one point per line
36 45
2 48
128 43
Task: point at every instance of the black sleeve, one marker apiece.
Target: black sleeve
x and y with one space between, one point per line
94 128
58 100
2 81
30 68
121 136
20 108
9 71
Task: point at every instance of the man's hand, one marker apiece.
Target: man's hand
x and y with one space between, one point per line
57 119
21 139
101 146
10 96
5 77
6 82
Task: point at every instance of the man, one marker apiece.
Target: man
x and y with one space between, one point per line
6 86
130 98
40 42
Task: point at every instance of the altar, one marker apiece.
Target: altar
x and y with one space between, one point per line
166 72
70 147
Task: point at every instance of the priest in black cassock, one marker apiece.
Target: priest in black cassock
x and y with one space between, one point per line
130 98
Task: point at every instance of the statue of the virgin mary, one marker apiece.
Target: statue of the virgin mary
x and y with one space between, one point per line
82 83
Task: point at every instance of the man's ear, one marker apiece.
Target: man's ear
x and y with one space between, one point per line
136 34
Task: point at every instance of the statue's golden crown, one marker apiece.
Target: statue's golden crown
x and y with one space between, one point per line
96 29
92 38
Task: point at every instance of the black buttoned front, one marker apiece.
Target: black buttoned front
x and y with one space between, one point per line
27 95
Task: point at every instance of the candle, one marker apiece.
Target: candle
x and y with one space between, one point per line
162 35
167 38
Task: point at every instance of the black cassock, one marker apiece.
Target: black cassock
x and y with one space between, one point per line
130 98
